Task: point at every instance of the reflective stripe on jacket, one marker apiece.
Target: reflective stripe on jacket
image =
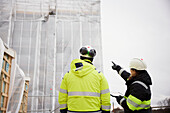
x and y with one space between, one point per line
138 93
84 89
136 104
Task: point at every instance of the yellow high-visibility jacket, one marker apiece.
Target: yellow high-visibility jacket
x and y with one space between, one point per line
83 88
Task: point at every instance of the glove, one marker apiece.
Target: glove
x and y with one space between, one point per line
116 67
118 98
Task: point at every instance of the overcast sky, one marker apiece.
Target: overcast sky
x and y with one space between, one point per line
137 28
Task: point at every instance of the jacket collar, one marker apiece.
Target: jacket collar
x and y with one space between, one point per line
88 61
143 77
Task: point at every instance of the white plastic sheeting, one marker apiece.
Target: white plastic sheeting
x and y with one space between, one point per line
2 48
17 81
17 88
46 44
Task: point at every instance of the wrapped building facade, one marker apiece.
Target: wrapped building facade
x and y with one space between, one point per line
47 36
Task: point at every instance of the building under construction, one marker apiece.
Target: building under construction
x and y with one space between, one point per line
45 36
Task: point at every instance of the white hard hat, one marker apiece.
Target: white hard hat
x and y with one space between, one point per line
88 51
137 64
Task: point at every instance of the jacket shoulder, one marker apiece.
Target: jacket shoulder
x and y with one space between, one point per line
99 74
66 74
98 71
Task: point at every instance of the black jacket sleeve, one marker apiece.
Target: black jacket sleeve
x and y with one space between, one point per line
123 73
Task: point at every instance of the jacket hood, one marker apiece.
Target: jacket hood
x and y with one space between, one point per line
143 77
81 68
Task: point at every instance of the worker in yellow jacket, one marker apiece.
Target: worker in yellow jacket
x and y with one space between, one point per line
83 88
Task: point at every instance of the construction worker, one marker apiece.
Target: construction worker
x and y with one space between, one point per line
83 88
137 98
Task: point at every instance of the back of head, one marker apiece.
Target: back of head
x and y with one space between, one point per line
87 52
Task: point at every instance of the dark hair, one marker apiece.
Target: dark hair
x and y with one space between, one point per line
138 72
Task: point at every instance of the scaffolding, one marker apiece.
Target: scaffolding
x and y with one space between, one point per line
11 81
47 36
5 80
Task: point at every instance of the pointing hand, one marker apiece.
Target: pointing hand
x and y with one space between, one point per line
114 67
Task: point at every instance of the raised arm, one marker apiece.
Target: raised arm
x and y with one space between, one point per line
123 73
